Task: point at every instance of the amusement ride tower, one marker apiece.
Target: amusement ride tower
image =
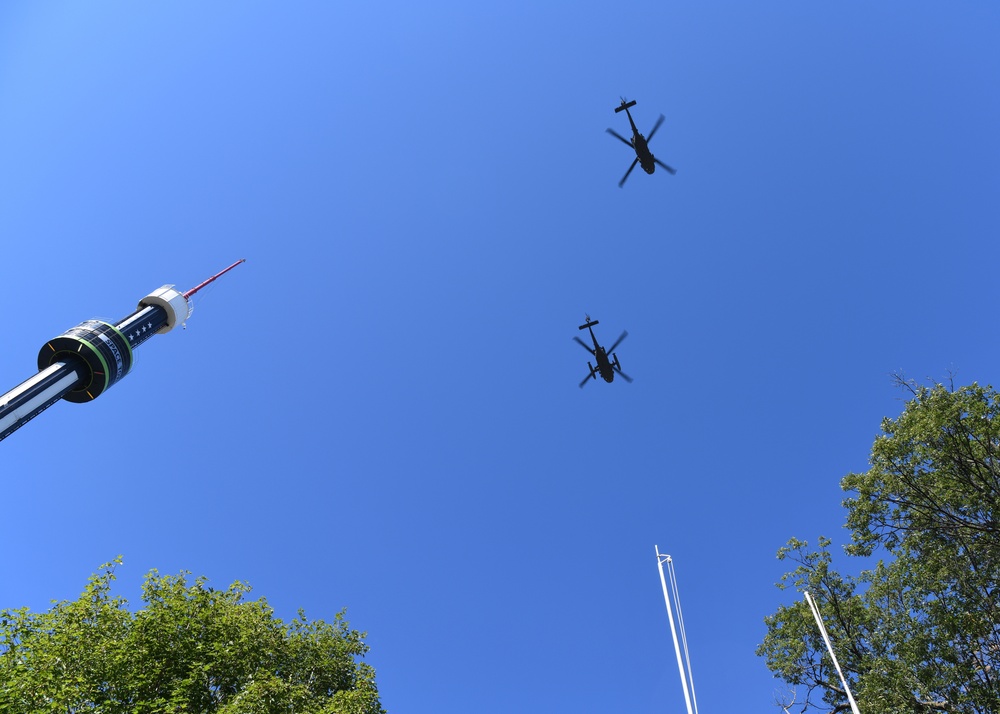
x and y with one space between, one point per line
83 362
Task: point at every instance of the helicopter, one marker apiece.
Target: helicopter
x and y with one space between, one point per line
605 367
639 144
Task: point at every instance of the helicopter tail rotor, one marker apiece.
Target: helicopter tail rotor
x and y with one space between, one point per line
624 105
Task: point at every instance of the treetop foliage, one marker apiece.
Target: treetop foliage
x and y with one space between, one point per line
918 631
190 648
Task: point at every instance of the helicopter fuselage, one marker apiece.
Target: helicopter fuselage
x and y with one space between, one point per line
646 158
603 363
604 367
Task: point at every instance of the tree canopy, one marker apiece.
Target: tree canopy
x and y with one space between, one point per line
918 630
190 648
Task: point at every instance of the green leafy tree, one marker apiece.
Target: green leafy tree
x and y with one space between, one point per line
918 630
190 648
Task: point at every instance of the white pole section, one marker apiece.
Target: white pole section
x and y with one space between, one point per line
660 560
829 647
680 626
10 420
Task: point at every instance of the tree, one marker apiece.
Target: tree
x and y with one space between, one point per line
918 630
190 648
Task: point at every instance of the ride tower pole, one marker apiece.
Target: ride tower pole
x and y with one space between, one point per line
85 361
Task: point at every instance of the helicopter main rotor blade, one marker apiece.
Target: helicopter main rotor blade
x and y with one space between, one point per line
625 376
583 345
634 162
621 138
655 127
618 341
671 169
586 379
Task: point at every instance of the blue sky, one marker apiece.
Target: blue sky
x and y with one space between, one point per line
379 409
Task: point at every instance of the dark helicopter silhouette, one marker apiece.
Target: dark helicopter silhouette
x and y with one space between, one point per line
605 367
639 144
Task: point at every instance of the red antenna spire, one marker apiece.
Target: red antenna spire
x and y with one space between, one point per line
218 275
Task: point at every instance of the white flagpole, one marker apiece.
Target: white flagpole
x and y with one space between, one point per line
660 560
680 626
829 647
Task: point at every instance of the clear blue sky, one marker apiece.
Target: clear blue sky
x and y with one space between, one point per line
380 410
